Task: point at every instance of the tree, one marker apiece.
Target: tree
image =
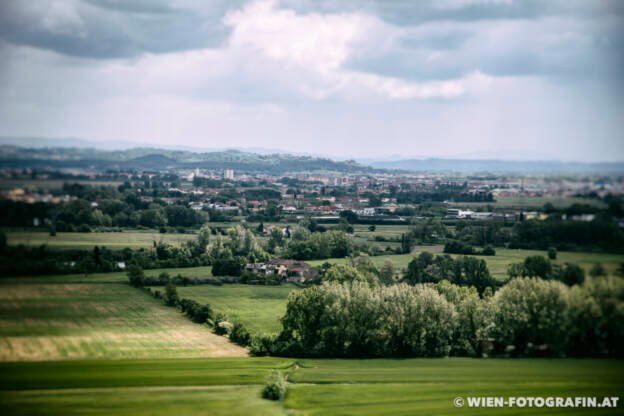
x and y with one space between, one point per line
531 317
372 228
276 240
417 266
488 251
571 274
135 275
275 387
457 247
171 294
407 242
228 266
386 273
474 321
240 335
349 215
552 253
474 272
537 266
203 238
598 317
342 273
597 270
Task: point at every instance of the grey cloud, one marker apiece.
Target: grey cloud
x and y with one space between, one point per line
413 12
116 29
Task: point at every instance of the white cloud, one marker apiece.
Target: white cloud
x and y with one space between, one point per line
316 46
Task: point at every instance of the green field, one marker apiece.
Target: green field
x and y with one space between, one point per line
132 239
113 277
259 308
51 184
71 321
498 264
316 387
532 203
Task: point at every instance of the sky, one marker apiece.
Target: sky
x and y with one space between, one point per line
376 79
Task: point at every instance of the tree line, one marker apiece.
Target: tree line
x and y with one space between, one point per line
525 317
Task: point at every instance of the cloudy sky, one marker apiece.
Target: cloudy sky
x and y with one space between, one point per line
369 79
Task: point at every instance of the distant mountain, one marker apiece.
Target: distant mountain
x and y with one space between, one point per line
499 166
159 159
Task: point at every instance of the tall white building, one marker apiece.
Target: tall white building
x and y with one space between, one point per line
228 174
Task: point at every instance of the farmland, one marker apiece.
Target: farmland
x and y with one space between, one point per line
529 202
504 257
71 321
232 386
113 277
259 308
132 239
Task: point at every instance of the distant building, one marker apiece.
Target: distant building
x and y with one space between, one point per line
291 270
228 174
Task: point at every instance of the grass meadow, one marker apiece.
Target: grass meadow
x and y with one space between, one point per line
259 308
530 202
132 239
232 386
71 321
93 345
504 257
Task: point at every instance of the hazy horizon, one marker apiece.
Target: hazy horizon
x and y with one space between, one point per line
465 79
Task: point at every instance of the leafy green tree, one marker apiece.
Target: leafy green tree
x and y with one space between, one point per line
417 266
240 335
349 215
552 253
474 272
597 270
597 314
386 273
171 294
135 275
571 274
275 387
372 228
228 266
537 266
276 240
203 239
348 273
531 317
488 251
474 321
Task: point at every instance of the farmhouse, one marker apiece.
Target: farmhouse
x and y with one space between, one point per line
291 270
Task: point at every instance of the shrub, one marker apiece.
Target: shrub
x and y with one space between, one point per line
240 335
552 253
488 251
135 275
571 274
275 386
221 324
198 313
228 266
171 294
597 270
457 247
537 266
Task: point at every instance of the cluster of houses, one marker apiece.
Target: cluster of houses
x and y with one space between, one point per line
293 271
